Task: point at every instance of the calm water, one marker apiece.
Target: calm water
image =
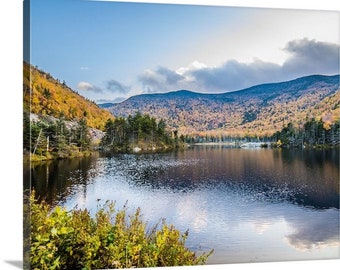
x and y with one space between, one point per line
247 205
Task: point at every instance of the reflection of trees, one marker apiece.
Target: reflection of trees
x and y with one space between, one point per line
307 177
304 177
316 173
54 180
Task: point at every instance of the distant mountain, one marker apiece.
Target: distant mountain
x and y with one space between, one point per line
105 105
44 95
258 110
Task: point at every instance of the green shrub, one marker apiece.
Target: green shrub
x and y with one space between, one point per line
62 239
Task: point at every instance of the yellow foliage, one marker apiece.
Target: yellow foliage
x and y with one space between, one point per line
47 96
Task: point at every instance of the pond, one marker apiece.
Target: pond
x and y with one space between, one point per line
249 205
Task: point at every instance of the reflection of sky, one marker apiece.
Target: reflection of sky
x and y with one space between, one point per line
238 228
315 231
234 218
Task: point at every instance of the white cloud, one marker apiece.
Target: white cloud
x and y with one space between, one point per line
306 57
86 86
193 66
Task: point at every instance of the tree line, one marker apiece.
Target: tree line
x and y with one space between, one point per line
314 133
48 138
142 131
54 138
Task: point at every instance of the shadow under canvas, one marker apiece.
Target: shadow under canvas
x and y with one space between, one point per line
18 264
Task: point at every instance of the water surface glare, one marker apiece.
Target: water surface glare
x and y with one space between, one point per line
247 205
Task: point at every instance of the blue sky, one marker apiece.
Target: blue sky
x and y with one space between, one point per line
108 51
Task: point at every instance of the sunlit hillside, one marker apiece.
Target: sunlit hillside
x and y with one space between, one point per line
257 111
45 95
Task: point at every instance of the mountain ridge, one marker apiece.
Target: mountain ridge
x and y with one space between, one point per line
260 109
186 92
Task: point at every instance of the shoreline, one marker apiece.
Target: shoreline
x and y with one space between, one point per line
30 158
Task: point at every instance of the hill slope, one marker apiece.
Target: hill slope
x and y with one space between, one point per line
44 95
258 110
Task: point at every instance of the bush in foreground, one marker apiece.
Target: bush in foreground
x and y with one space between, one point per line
62 239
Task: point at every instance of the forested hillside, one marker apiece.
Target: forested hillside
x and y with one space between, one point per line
58 122
45 95
257 111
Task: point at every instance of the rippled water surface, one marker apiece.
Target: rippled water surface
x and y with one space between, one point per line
247 205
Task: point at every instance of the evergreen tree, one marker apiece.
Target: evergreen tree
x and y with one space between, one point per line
123 134
82 135
314 133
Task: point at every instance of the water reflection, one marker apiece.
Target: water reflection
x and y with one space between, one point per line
268 175
54 181
249 205
313 232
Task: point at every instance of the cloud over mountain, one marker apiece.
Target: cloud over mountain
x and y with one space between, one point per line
306 57
116 87
162 78
234 75
311 56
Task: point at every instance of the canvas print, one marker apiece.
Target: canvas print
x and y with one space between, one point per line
172 135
